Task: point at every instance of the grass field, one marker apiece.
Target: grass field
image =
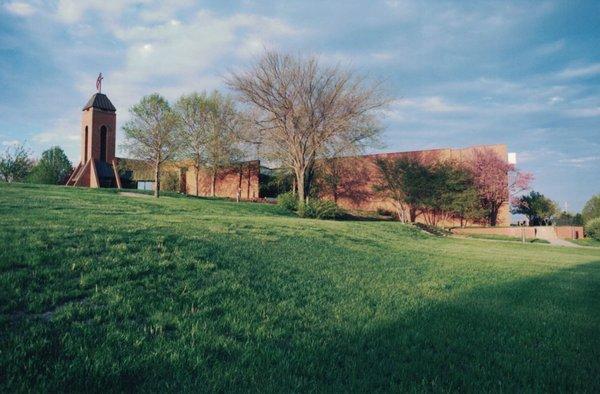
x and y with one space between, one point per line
102 292
499 237
587 242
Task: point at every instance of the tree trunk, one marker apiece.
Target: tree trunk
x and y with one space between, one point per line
300 185
197 180
493 216
413 214
157 180
239 187
213 185
308 180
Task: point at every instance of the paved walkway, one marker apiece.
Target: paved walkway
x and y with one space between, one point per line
562 242
129 194
549 234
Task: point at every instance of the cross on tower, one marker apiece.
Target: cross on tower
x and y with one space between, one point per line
99 83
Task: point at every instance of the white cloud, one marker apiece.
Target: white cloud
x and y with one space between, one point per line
382 56
54 137
174 58
11 143
555 100
581 162
583 71
72 11
429 104
20 8
537 155
583 112
549 48
63 132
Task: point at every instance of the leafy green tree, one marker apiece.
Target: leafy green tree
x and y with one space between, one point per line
152 134
591 209
538 208
404 182
451 194
15 164
564 219
467 206
568 219
592 228
53 167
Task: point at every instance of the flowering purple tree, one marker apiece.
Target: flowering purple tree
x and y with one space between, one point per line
496 180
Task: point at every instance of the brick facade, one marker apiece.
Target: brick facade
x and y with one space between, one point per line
97 165
92 121
244 177
357 176
562 232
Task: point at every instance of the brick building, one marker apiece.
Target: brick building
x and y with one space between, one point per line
98 165
356 176
243 178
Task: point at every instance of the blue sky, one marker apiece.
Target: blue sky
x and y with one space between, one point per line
461 73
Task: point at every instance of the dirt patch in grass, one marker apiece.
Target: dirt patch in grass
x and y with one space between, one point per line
130 194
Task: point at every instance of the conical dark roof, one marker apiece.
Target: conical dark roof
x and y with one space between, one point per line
100 101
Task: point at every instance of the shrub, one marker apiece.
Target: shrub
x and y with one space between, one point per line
385 212
288 201
169 181
592 228
53 167
322 209
434 230
591 209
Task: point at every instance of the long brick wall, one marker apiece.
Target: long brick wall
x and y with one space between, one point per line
562 232
357 176
243 177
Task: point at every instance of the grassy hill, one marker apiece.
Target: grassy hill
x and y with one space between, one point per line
100 292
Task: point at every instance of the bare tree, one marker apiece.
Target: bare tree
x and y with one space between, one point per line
223 139
15 164
305 111
195 112
152 134
209 130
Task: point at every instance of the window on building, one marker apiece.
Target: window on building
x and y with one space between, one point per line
85 149
103 136
145 185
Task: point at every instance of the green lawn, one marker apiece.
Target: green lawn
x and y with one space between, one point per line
101 292
586 242
499 237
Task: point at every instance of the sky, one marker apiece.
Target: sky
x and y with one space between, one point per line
460 73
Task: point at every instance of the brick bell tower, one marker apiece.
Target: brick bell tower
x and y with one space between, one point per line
97 166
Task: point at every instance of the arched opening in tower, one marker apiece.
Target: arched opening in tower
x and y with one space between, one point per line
103 143
85 147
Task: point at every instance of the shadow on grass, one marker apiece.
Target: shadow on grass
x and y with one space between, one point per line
539 334
259 324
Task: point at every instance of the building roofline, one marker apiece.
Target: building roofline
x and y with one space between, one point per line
425 151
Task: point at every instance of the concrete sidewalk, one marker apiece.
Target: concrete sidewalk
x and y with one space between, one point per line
547 233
